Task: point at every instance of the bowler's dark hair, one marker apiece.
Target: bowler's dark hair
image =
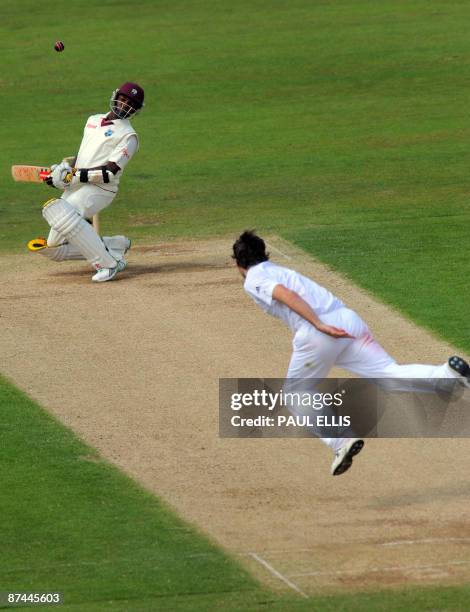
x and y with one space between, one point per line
249 250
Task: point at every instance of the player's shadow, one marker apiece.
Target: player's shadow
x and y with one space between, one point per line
171 268
136 270
426 494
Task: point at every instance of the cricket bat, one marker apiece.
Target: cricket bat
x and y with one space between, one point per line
38 174
30 174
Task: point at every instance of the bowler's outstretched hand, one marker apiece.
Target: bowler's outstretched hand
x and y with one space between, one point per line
334 332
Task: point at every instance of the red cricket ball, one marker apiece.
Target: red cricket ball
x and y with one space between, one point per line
59 46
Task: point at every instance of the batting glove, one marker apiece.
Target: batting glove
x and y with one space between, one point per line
48 179
61 175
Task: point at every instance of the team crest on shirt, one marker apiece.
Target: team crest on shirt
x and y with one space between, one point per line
108 132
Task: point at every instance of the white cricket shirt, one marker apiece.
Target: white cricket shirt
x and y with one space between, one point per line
260 282
105 141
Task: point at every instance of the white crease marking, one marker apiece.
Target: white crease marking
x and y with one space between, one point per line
274 572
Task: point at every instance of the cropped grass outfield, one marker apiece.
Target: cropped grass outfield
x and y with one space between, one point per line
343 126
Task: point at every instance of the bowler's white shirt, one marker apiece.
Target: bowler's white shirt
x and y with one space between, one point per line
260 282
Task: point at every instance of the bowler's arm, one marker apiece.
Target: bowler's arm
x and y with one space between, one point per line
293 301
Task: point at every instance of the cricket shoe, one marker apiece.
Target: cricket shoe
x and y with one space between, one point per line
344 457
460 367
107 274
37 244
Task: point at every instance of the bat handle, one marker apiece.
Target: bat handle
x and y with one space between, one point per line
96 223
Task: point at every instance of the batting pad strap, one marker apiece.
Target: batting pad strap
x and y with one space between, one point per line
49 201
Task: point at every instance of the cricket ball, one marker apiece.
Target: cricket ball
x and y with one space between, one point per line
59 46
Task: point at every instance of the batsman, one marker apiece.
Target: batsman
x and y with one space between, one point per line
89 183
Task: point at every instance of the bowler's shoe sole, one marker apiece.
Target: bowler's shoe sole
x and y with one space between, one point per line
462 368
347 461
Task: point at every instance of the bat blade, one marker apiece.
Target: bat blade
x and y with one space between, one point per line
30 174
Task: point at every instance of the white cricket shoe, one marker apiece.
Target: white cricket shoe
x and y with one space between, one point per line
460 369
344 457
107 274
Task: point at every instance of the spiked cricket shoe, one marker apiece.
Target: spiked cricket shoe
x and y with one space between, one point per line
37 244
344 457
460 367
107 274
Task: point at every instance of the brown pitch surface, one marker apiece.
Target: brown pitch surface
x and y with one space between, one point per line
133 366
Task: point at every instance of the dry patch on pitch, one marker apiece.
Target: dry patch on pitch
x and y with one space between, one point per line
133 367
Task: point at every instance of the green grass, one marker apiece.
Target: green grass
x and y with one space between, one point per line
73 523
343 126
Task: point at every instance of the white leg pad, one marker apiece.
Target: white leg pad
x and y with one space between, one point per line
54 239
64 219
116 245
62 252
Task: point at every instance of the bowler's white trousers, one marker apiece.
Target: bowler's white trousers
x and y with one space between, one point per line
315 353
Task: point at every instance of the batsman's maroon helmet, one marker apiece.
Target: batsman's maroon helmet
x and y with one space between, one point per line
135 100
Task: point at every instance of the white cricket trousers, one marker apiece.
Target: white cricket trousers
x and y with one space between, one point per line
315 353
